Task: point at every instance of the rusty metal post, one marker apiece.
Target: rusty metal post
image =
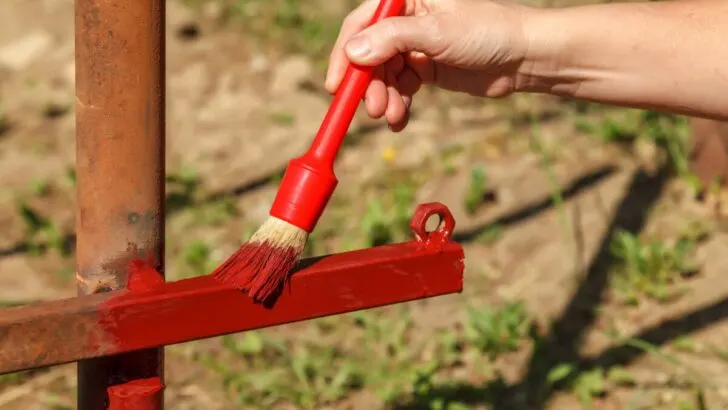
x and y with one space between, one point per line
120 125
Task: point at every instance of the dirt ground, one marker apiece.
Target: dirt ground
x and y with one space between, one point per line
538 225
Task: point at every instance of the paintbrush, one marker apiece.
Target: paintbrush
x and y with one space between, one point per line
263 264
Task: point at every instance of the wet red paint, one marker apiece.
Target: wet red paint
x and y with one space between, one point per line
156 314
203 307
143 276
139 394
258 269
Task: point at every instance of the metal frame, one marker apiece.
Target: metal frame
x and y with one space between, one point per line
126 313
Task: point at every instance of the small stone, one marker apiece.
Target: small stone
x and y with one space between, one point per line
19 54
290 74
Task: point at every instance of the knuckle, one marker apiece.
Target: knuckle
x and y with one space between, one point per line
437 27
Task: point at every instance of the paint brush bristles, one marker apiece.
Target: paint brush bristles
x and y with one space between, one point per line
264 263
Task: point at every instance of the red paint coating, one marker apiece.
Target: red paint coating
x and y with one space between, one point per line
441 234
203 307
143 276
309 180
139 394
258 268
118 323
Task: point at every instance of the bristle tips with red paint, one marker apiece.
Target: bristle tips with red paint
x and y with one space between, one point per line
263 264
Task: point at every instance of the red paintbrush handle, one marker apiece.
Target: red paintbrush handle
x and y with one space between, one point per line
309 180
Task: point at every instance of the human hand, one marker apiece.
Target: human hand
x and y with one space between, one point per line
471 46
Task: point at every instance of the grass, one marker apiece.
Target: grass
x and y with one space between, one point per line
381 352
477 191
40 231
294 26
386 219
651 268
496 331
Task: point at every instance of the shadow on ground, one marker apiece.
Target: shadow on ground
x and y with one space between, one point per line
562 341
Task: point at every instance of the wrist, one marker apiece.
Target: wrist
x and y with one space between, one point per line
544 66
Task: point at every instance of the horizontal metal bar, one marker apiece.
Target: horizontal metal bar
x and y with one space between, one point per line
152 313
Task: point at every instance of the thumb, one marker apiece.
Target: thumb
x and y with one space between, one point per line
395 35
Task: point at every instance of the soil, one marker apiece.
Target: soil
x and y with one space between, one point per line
224 89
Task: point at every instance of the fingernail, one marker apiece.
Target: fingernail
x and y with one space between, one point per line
358 47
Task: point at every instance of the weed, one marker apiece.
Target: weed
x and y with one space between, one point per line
37 228
380 227
196 256
14 378
496 331
649 268
282 118
477 189
557 198
216 213
621 377
590 384
71 176
560 373
184 188
448 157
40 187
490 234
668 132
697 378
293 25
685 343
306 374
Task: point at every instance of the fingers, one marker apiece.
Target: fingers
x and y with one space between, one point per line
353 23
376 99
378 43
398 110
390 93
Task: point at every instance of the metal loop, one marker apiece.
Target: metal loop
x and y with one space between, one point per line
442 233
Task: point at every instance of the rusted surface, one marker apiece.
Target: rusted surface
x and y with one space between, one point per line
35 335
120 163
167 313
141 394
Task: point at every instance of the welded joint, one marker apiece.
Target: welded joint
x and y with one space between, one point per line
139 394
143 276
436 239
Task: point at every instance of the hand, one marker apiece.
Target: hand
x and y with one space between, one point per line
471 46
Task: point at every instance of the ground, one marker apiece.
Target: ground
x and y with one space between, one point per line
593 279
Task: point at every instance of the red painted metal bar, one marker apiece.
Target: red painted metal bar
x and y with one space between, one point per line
140 394
151 313
120 166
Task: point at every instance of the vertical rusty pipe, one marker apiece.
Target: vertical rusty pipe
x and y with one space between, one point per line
120 165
